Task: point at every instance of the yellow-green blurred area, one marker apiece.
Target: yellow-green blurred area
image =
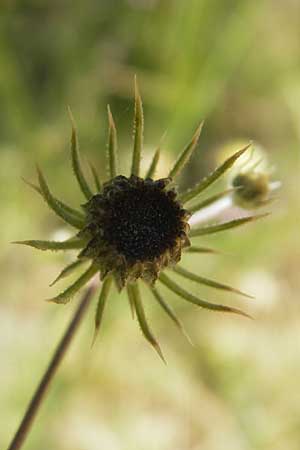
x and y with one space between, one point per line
235 63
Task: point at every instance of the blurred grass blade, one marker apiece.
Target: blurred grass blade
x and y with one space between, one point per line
70 244
174 287
65 296
153 165
133 291
68 270
112 145
208 201
167 308
211 229
138 131
76 164
196 249
186 154
207 282
215 175
77 214
105 289
96 178
67 215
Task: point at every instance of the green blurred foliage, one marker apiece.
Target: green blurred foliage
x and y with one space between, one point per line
234 63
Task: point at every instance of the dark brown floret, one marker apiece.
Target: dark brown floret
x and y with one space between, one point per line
135 227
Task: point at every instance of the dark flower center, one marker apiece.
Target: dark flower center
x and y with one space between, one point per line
139 218
143 223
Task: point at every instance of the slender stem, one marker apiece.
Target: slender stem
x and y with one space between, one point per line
59 353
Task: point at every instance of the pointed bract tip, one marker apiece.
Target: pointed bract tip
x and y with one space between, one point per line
70 113
137 95
159 352
41 178
52 300
38 169
197 133
163 137
59 299
243 150
259 216
200 126
72 120
111 121
55 280
30 243
95 336
244 294
187 336
30 184
239 312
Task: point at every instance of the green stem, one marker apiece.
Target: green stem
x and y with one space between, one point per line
48 376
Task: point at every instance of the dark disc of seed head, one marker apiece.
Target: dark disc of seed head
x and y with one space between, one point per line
141 219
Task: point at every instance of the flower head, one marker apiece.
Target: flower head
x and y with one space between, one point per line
134 228
251 182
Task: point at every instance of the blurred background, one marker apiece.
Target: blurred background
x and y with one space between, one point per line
234 63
